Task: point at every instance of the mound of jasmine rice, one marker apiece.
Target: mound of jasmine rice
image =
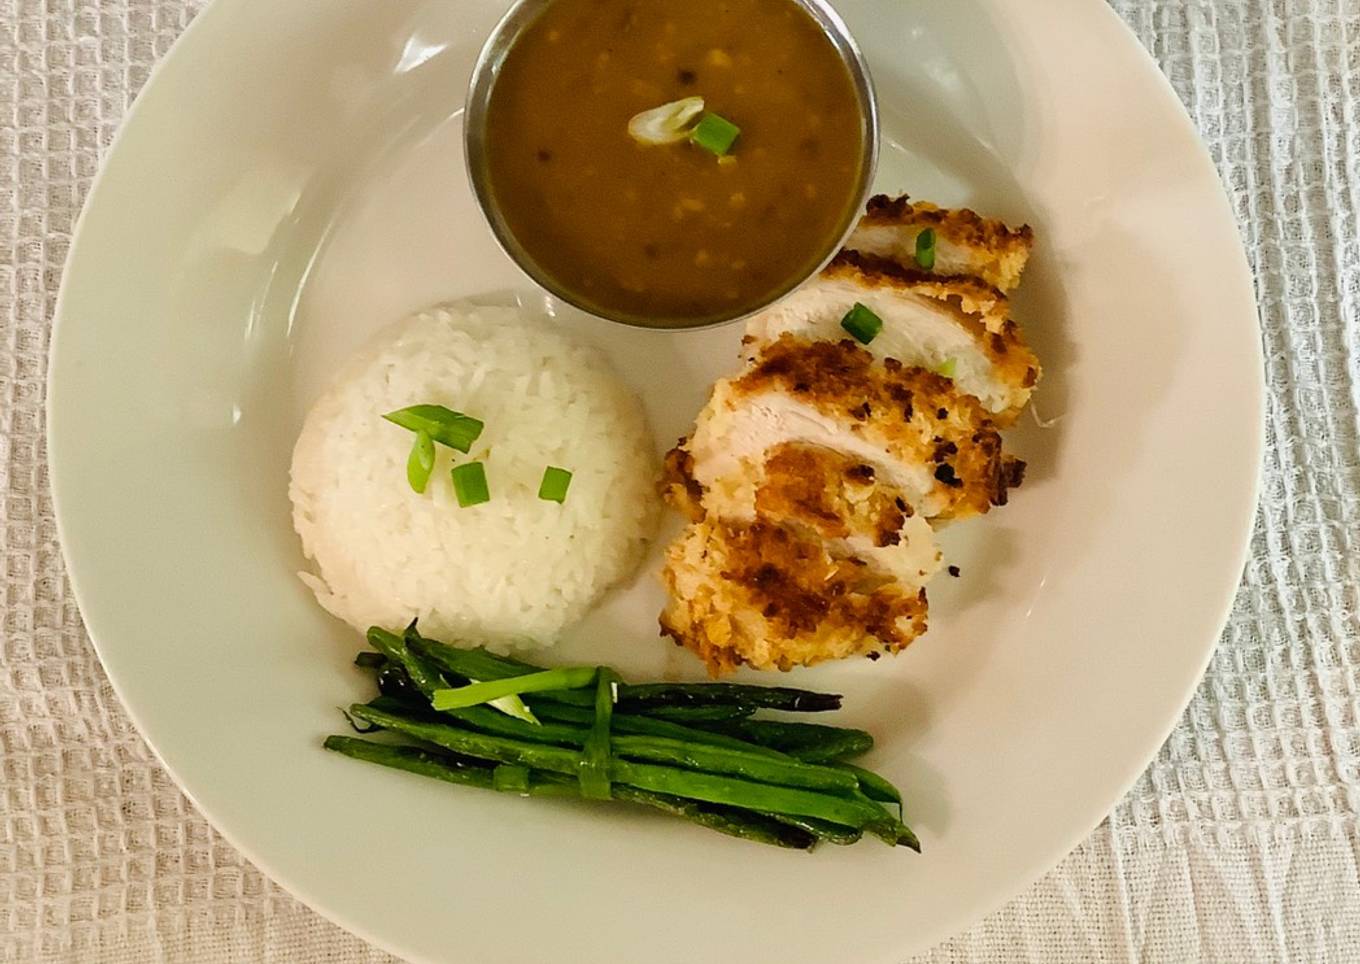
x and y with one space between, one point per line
516 569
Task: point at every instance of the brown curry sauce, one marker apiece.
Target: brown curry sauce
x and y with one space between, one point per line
666 234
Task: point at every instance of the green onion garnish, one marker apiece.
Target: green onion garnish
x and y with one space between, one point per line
553 488
514 706
469 484
510 778
594 771
925 249
715 134
862 323
443 425
475 694
420 463
948 368
667 124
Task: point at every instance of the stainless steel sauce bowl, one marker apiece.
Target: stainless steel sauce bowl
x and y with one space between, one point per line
483 82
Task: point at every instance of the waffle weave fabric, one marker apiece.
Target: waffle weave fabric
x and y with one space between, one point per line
1240 841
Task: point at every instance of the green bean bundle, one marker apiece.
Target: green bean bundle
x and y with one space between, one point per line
692 750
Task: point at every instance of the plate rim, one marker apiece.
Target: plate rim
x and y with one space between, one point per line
1244 281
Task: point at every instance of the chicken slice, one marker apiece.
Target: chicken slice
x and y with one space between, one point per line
922 436
820 493
965 242
955 325
770 597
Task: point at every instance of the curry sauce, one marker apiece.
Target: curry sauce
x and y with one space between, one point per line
671 235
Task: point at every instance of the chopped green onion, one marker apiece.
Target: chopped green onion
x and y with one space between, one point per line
715 134
925 249
443 425
862 323
420 463
948 368
512 706
469 484
666 124
510 778
474 694
553 488
594 771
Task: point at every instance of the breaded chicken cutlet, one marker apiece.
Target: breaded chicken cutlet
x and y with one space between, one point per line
932 442
961 325
813 475
763 595
966 244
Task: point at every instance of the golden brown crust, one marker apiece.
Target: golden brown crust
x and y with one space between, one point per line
917 414
996 252
762 595
960 222
830 493
797 552
678 486
974 300
993 329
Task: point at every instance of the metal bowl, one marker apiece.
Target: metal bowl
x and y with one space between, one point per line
484 75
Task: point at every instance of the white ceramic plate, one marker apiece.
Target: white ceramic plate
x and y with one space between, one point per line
291 179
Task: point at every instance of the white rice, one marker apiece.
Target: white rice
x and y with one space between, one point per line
513 571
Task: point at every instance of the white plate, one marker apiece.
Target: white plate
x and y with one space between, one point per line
291 179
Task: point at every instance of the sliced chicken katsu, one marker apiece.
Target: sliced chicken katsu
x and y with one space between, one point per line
965 242
813 478
922 436
817 492
773 598
959 326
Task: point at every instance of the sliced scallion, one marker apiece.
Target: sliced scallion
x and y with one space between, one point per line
443 425
594 771
510 778
715 134
553 488
469 484
925 249
862 323
420 463
475 694
667 124
513 706
948 368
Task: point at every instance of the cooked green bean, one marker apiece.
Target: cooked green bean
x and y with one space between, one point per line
762 797
698 714
809 742
737 763
478 663
425 676
694 785
874 786
821 829
689 748
735 694
650 726
736 823
743 763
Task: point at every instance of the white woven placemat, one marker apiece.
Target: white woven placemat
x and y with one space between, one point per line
1239 843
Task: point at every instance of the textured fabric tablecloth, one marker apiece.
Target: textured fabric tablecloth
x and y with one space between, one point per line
1238 844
